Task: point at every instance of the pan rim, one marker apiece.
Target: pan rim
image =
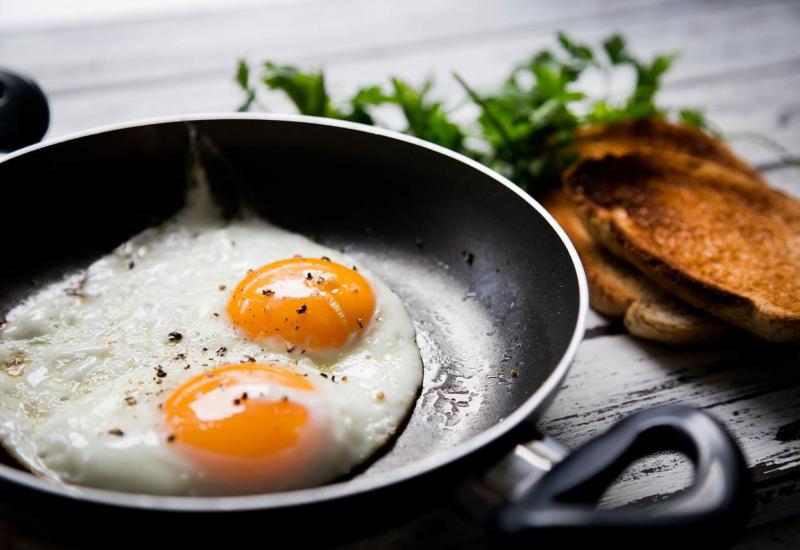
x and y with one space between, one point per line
357 485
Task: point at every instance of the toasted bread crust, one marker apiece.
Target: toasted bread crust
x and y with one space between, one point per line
660 317
658 135
720 240
618 290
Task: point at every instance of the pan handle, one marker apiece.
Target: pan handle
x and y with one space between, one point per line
24 113
561 506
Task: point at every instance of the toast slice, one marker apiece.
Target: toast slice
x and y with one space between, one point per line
713 236
618 290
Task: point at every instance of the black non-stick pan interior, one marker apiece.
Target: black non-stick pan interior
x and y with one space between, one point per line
489 284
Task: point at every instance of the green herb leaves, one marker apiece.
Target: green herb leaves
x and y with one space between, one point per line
524 126
426 118
243 80
306 90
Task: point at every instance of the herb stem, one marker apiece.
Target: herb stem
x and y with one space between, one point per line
485 106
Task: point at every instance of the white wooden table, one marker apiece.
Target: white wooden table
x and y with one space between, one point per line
106 62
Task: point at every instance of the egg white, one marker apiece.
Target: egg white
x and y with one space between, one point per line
78 361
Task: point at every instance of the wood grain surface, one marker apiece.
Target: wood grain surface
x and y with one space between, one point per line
740 61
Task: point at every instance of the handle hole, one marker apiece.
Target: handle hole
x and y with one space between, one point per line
649 479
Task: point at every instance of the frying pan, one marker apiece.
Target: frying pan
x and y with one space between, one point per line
498 299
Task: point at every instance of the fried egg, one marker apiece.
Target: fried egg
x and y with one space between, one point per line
207 357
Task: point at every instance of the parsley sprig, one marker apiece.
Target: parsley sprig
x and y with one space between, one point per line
524 126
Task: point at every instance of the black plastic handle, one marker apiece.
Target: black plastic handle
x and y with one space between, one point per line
561 507
24 114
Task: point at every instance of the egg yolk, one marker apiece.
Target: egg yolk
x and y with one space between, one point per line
240 411
311 303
